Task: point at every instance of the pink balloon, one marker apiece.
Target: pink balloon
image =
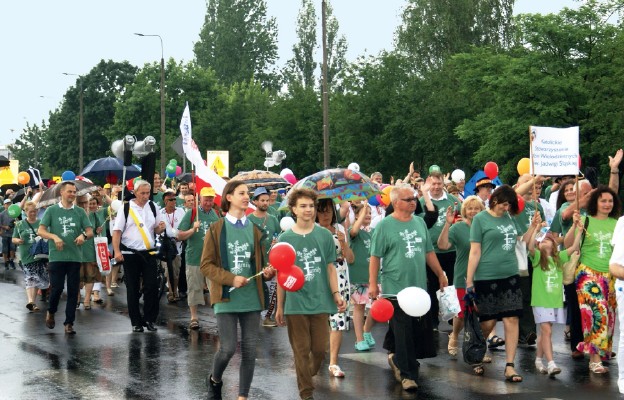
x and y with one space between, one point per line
178 170
290 178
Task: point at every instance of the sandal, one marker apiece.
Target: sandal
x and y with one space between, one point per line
87 306
110 292
35 308
194 325
478 370
513 378
566 335
171 298
31 307
487 358
598 368
452 346
335 371
495 342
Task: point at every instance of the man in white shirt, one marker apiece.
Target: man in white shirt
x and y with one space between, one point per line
133 243
172 216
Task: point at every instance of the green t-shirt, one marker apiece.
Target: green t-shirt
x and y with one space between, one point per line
403 247
597 248
195 243
497 236
88 247
68 224
459 236
270 228
547 288
561 226
240 250
523 220
23 231
358 269
315 251
436 229
179 202
158 199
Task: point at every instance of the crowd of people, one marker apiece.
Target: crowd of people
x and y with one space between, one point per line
505 247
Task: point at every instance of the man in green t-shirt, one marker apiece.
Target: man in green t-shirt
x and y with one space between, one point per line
404 243
192 229
270 227
67 227
306 311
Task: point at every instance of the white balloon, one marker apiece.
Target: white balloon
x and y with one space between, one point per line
458 175
286 171
354 167
115 205
286 223
414 301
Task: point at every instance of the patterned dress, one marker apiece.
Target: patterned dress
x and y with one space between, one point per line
340 321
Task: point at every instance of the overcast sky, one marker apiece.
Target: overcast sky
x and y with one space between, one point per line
41 39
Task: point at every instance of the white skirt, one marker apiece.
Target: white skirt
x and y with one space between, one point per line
554 315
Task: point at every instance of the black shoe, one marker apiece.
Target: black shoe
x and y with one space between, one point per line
137 329
530 339
214 388
151 327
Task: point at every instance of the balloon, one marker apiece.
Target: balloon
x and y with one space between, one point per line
434 168
385 195
285 171
116 205
286 223
458 175
414 301
374 201
111 178
170 169
282 256
524 166
178 170
290 178
291 280
23 178
382 310
68 176
491 169
130 184
520 204
170 175
354 167
173 162
14 211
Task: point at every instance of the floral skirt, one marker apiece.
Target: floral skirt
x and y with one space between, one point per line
36 275
596 297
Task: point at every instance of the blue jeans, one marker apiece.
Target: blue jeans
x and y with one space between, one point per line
228 337
58 271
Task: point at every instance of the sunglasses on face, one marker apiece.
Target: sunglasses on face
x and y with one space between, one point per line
409 199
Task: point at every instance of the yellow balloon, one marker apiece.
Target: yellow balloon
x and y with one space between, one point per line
385 195
524 166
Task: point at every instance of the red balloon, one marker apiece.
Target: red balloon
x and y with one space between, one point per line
111 178
291 280
491 169
382 310
130 184
282 256
520 204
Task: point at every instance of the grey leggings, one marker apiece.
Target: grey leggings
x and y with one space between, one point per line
228 337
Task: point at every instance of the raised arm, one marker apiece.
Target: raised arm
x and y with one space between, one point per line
443 239
614 167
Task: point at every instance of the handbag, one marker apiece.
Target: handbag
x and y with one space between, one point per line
521 255
39 249
474 346
570 266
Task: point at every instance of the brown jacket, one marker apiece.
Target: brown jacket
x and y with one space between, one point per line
212 263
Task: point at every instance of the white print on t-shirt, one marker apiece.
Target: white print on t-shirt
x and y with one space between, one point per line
510 236
441 217
411 239
311 263
551 280
530 214
67 223
240 254
604 248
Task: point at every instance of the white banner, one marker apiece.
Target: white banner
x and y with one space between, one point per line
554 151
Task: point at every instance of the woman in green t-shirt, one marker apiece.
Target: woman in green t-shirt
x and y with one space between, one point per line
594 284
492 275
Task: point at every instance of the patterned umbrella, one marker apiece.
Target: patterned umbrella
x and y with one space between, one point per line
267 179
53 195
339 184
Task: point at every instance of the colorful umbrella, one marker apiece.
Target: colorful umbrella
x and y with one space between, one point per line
339 184
53 195
257 178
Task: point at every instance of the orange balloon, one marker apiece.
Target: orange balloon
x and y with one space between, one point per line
524 166
385 195
23 178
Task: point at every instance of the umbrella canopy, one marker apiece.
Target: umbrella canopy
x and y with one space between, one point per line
339 184
186 177
108 166
469 188
53 195
266 179
13 186
4 162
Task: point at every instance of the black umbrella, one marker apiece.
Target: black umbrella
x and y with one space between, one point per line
109 166
186 177
4 162
13 186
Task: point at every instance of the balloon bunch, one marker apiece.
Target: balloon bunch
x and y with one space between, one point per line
173 169
413 300
282 257
383 198
289 176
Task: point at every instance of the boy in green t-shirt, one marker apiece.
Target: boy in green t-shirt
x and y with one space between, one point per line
307 310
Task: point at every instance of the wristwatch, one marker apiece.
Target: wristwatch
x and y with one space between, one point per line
85 236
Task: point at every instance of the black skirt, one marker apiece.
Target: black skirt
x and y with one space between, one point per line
498 298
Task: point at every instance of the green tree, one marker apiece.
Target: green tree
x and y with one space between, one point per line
336 50
301 68
30 147
238 41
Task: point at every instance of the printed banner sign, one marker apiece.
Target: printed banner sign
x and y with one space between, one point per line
554 151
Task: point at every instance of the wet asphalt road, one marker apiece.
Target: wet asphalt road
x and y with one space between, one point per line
105 360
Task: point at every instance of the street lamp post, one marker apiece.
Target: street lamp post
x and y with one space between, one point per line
325 97
162 100
81 133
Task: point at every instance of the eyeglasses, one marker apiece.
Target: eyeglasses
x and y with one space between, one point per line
409 199
171 199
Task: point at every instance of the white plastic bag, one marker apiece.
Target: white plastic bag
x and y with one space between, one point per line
523 261
101 254
448 303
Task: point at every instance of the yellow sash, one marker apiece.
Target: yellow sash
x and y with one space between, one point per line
139 225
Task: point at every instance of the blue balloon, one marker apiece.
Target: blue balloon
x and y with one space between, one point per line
170 175
374 201
68 176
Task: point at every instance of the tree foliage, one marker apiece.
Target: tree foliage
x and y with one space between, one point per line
301 68
31 147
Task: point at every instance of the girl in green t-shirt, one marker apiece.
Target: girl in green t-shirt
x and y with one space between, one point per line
547 290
